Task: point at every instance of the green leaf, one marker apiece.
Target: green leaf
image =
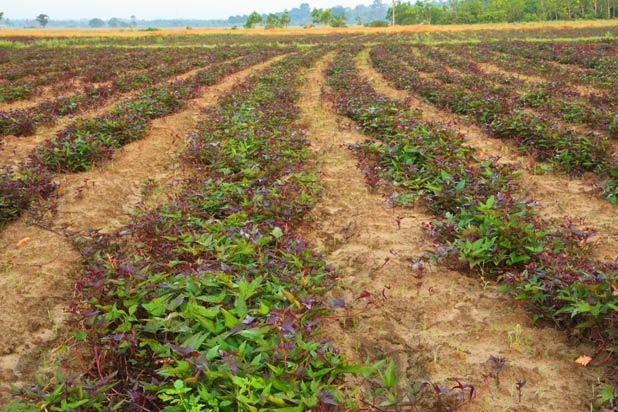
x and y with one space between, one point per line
490 202
606 394
79 335
514 258
263 310
179 384
581 307
212 352
389 377
194 341
230 320
241 307
255 333
277 232
157 306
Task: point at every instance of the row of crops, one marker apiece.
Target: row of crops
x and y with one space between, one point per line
25 121
213 300
479 218
210 301
90 141
500 107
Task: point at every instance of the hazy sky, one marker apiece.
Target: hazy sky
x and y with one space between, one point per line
148 9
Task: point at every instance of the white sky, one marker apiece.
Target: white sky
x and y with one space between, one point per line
149 9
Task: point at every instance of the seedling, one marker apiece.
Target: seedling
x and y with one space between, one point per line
497 364
519 386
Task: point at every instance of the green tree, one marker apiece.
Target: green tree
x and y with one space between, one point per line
320 16
253 19
316 16
405 13
114 22
96 23
327 16
285 19
338 20
43 19
272 21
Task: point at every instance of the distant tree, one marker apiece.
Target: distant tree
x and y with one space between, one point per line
277 20
133 21
1 15
253 19
320 16
316 16
96 23
300 15
272 21
428 12
327 16
377 23
284 19
236 20
114 22
488 11
337 20
43 19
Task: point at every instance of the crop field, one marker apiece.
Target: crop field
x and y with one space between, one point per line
310 220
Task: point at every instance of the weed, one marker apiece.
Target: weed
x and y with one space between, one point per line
515 336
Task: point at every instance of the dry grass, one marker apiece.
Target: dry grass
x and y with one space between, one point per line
418 28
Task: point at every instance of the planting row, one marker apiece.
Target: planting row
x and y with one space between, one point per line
561 77
550 98
212 301
61 67
87 142
24 122
603 78
572 152
601 56
481 224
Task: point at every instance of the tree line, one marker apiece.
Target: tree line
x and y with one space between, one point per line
42 19
318 16
304 15
497 11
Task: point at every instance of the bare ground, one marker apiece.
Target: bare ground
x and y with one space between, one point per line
37 266
438 324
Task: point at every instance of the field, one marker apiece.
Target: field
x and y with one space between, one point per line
423 219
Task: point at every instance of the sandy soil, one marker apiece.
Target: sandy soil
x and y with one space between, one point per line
37 266
435 323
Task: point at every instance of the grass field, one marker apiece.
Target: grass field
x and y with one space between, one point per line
420 218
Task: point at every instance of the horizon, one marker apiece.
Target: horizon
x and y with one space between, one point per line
145 10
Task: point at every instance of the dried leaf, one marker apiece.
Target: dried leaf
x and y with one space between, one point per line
23 241
584 360
292 299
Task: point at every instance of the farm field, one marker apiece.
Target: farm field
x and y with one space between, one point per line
362 220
